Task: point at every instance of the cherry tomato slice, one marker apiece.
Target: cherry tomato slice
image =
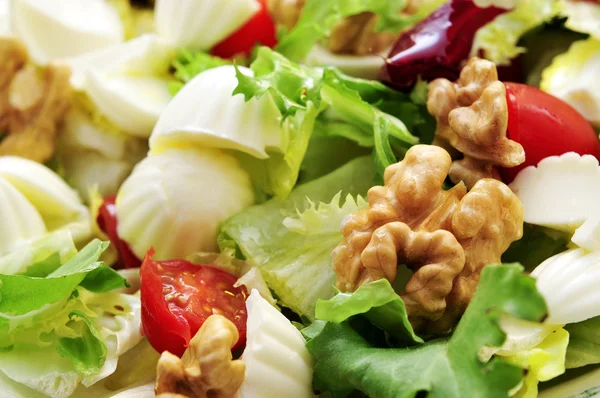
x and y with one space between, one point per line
545 126
107 221
258 30
178 296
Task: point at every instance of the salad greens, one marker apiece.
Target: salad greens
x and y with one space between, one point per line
52 310
323 100
499 40
377 302
188 64
318 19
291 241
450 367
584 344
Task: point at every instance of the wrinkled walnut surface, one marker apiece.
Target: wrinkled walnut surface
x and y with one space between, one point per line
354 35
472 117
206 369
32 103
445 237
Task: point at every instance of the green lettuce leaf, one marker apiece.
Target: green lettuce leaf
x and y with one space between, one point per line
326 152
379 303
319 17
188 64
346 362
499 39
543 362
584 344
295 260
309 99
21 294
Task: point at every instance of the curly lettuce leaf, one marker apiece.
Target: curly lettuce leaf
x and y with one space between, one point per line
584 344
309 99
188 64
296 261
379 303
499 39
346 362
319 17
100 329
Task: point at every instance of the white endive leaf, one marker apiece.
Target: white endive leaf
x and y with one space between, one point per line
80 132
127 83
200 24
569 283
20 220
88 169
54 29
366 67
562 193
277 361
220 120
572 77
176 201
57 203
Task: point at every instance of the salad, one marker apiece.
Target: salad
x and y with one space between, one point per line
299 198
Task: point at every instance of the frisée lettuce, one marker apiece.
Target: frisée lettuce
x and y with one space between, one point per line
347 361
307 95
60 324
291 240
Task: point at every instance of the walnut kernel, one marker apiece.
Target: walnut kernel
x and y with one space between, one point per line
206 369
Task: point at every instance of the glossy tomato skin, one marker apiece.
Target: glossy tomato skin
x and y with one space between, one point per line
260 29
178 296
108 223
545 126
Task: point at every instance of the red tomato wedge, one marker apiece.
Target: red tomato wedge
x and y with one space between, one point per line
107 221
178 296
545 126
258 30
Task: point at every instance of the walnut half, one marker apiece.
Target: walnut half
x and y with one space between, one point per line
206 369
445 237
32 103
472 117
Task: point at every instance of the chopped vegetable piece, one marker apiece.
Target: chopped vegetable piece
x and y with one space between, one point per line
545 126
177 298
438 45
259 30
